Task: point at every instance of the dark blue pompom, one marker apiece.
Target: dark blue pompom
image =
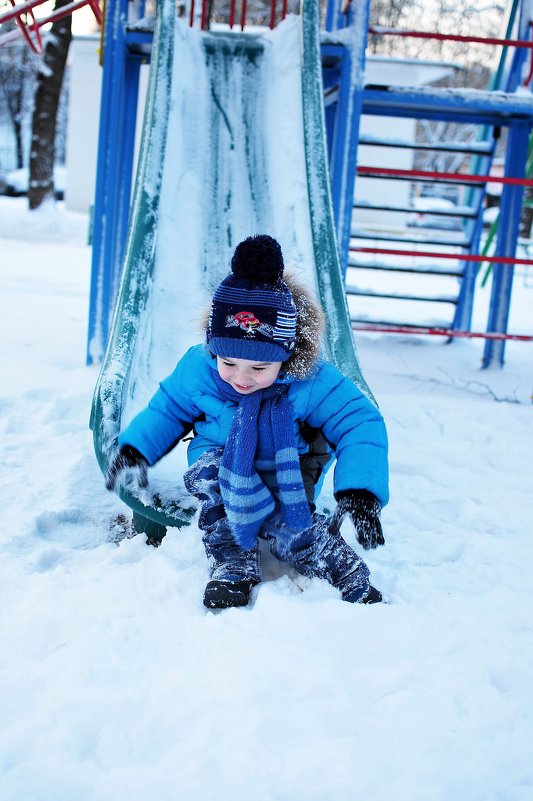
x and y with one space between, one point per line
258 259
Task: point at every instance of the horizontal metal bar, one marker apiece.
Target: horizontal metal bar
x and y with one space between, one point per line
476 184
357 233
353 290
378 30
393 328
477 148
433 255
450 177
457 211
457 105
392 268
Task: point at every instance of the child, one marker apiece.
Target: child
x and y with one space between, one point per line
253 392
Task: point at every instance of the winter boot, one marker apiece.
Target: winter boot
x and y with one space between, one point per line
330 557
234 571
374 596
219 594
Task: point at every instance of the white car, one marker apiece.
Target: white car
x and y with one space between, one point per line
423 218
17 182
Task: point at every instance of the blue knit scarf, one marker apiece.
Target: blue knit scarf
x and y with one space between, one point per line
260 468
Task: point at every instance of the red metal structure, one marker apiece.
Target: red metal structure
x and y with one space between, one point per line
29 27
275 9
439 332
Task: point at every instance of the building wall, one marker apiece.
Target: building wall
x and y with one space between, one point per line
83 121
386 71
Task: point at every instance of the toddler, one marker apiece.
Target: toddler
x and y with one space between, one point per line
267 415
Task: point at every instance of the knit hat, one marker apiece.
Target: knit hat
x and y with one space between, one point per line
253 315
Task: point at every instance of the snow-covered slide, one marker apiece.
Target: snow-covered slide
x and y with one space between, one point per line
233 145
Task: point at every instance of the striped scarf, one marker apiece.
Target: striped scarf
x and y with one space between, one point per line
260 468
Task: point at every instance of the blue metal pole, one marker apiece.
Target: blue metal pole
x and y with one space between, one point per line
515 75
462 320
349 107
508 229
118 108
101 201
124 172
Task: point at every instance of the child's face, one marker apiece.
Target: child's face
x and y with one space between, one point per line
247 376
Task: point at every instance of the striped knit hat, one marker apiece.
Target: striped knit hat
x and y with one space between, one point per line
253 315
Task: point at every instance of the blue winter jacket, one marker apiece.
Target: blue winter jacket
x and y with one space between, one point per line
326 400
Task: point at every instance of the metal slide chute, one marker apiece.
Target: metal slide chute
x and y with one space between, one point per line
192 204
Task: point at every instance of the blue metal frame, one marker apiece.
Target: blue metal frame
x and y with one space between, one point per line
122 58
343 116
495 110
508 229
124 51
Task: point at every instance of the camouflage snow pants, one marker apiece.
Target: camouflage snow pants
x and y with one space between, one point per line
316 553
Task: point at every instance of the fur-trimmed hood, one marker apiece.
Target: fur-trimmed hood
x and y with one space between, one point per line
309 330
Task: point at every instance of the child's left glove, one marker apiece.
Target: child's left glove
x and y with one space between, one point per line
364 510
127 458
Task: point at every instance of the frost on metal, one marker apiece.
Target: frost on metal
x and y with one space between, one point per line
221 159
339 336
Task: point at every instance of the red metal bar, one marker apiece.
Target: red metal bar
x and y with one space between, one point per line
191 15
446 176
203 24
232 13
243 14
62 12
449 37
440 255
438 332
18 10
284 9
37 45
65 11
273 13
96 10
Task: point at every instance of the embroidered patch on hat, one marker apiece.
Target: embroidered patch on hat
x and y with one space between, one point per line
249 323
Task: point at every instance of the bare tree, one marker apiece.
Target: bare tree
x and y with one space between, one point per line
17 77
463 17
390 14
47 96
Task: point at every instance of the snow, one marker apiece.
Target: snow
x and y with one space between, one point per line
117 683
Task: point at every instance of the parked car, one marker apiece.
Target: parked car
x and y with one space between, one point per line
423 218
16 182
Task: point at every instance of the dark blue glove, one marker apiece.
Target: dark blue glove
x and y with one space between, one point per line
364 510
127 458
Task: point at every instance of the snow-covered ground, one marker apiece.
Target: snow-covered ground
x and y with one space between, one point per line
116 683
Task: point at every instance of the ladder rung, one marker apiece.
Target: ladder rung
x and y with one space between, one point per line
458 211
368 293
477 148
420 179
397 268
397 324
357 233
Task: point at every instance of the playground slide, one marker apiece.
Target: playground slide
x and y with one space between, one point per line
233 144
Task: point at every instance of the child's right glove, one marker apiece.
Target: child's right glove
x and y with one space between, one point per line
127 458
364 510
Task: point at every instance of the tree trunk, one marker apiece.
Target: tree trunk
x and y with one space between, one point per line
49 82
17 127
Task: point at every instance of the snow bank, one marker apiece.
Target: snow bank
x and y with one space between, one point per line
115 682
